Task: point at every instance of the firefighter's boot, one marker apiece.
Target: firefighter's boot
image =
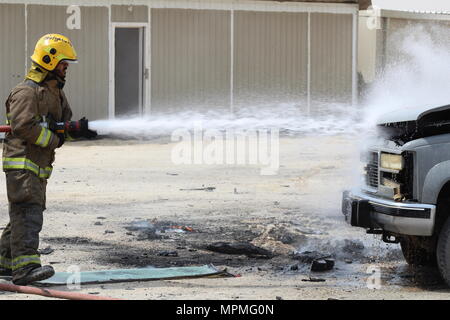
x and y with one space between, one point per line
4 272
29 274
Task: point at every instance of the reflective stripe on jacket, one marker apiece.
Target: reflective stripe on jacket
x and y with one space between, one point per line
24 163
30 145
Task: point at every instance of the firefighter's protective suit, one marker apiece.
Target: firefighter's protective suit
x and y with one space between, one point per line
28 154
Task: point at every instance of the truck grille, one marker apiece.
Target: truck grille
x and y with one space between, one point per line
372 170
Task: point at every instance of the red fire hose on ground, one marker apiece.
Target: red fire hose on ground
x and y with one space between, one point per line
51 293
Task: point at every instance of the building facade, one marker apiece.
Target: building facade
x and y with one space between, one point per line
145 56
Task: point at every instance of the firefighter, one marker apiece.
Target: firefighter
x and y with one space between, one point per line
28 154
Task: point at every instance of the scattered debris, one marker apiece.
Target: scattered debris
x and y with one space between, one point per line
182 228
319 261
309 231
247 249
309 256
46 251
279 239
287 239
353 246
147 230
200 189
314 280
322 265
294 267
141 225
150 235
152 230
168 253
327 167
237 192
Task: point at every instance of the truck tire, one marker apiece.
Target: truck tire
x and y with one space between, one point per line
443 252
418 251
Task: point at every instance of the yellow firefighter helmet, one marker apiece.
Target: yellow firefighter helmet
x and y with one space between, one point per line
51 49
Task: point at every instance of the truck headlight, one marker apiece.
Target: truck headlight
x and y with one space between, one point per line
391 161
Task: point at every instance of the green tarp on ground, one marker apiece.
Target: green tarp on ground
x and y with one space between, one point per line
127 275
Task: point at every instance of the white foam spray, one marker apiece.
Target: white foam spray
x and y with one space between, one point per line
287 117
419 76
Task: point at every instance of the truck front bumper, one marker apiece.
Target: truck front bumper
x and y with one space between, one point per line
363 210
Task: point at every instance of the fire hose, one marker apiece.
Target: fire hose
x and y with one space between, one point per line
77 128
51 293
5 128
58 127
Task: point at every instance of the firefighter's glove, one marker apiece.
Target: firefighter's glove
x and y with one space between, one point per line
61 138
84 129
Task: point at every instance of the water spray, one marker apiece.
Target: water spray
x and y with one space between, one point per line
288 118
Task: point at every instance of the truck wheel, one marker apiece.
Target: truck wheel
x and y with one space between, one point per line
443 252
418 251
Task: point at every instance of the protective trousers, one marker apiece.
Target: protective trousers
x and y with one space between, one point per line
19 242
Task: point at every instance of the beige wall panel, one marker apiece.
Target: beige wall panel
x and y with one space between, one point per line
331 57
270 57
87 81
12 50
129 13
367 39
190 59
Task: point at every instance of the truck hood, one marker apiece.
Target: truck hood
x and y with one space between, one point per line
407 124
410 114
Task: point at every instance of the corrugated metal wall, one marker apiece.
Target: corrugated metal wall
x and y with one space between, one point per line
12 35
270 57
192 55
129 13
87 81
190 59
331 57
